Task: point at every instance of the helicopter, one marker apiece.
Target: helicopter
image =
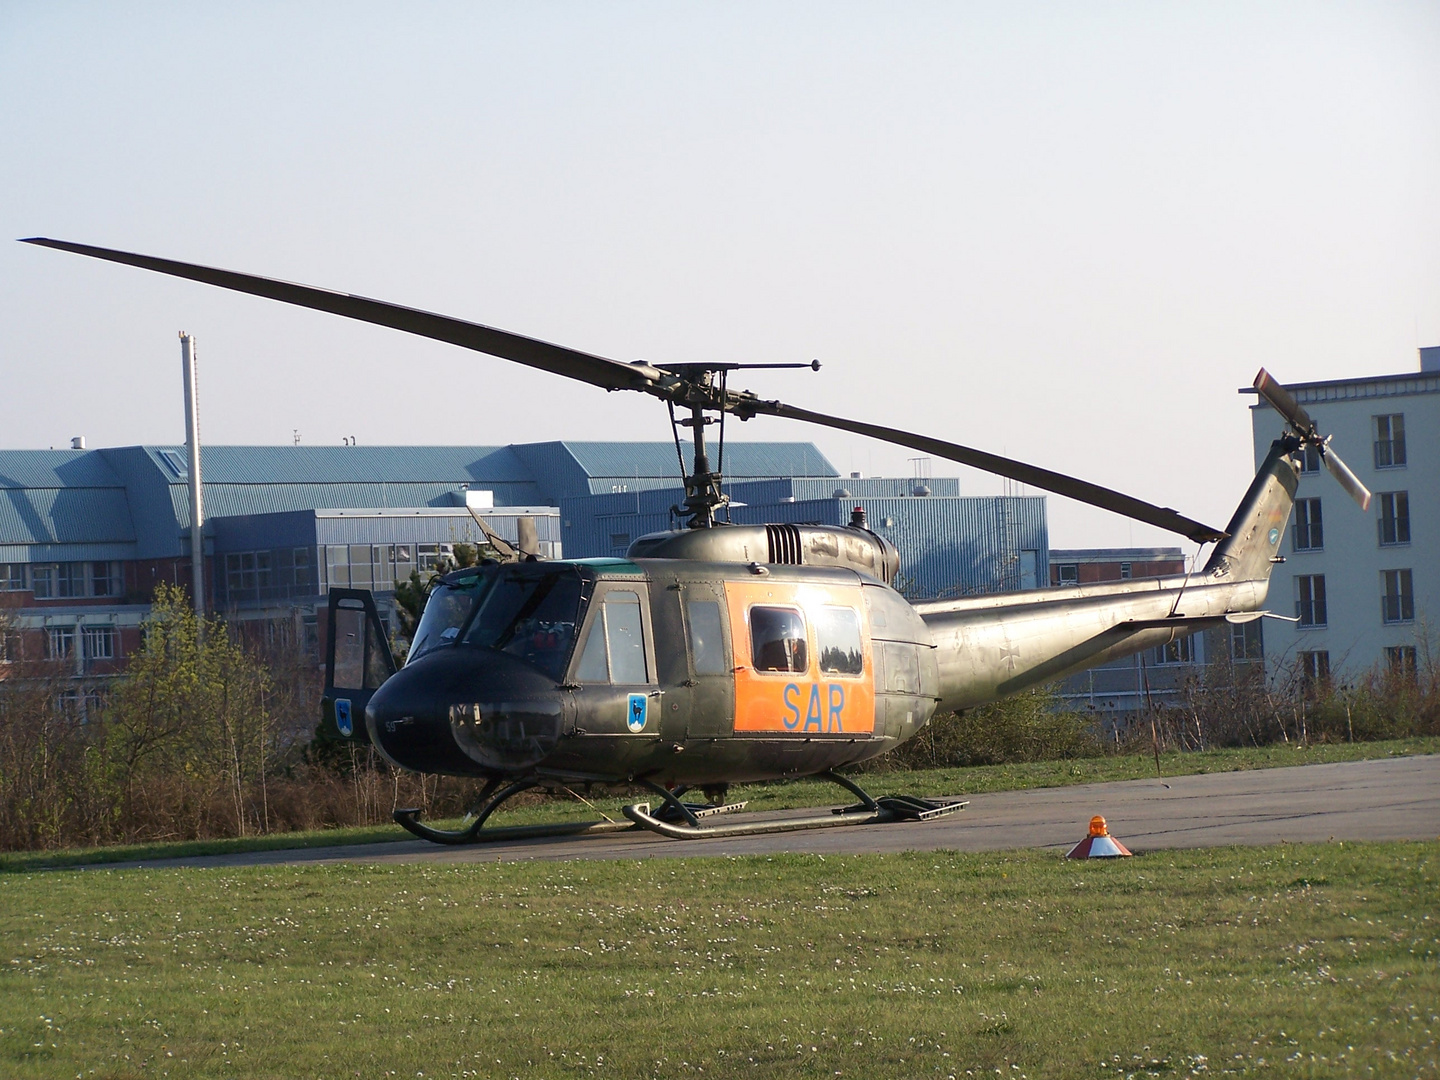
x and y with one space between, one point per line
718 653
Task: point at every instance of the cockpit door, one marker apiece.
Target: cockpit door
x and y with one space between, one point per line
613 672
712 677
357 661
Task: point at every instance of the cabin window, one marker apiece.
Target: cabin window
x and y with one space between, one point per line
837 635
707 641
615 649
777 639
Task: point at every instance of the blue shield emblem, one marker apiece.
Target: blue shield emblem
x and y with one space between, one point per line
342 717
1274 537
635 721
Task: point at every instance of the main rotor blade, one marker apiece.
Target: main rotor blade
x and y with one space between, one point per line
1059 483
1346 477
1284 403
573 364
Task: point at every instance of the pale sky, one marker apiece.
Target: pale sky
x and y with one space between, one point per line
1064 232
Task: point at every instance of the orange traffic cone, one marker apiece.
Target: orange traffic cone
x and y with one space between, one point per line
1099 844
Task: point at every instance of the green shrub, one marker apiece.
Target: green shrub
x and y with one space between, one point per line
1030 726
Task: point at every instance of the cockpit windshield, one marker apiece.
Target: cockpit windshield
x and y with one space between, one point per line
530 613
445 612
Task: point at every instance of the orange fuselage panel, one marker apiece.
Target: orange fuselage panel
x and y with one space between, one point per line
809 702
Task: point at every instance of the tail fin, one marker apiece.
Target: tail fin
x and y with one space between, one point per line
1248 553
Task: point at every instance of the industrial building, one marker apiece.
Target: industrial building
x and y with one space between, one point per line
86 535
1364 587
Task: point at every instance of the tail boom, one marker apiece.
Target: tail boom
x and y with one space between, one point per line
988 647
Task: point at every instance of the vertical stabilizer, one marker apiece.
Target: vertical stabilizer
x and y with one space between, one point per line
1248 553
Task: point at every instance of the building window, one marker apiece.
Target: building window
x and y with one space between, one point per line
62 642
99 642
1310 599
1394 517
429 556
300 561
1309 529
12 577
361 567
51 581
1400 659
1246 641
404 562
1314 669
1390 441
42 580
70 579
1068 573
103 579
1310 459
1179 651
9 648
1125 571
247 571
1398 603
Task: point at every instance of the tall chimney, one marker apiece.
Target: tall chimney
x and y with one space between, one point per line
192 445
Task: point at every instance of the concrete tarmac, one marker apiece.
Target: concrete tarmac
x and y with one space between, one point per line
1389 799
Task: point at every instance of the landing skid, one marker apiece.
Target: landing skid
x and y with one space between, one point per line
676 819
868 811
487 803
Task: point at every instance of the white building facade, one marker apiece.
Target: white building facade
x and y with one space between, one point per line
1364 585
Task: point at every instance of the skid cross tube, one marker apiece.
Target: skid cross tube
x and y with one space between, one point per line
489 799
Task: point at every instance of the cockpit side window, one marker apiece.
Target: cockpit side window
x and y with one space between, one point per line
777 639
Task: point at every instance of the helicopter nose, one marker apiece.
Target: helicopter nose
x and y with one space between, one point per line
465 710
409 725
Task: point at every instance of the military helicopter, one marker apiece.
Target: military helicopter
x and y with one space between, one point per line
718 653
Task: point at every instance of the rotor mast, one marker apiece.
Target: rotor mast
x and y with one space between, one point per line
695 387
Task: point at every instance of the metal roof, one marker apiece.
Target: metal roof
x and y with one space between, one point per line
139 495
56 469
603 461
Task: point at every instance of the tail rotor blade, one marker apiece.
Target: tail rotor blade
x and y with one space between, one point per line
1283 402
1346 478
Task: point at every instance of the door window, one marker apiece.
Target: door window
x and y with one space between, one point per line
615 649
707 642
349 646
625 638
777 639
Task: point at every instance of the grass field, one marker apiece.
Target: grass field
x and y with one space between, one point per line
1286 961
783 796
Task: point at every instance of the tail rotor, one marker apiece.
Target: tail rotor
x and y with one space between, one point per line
1284 403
